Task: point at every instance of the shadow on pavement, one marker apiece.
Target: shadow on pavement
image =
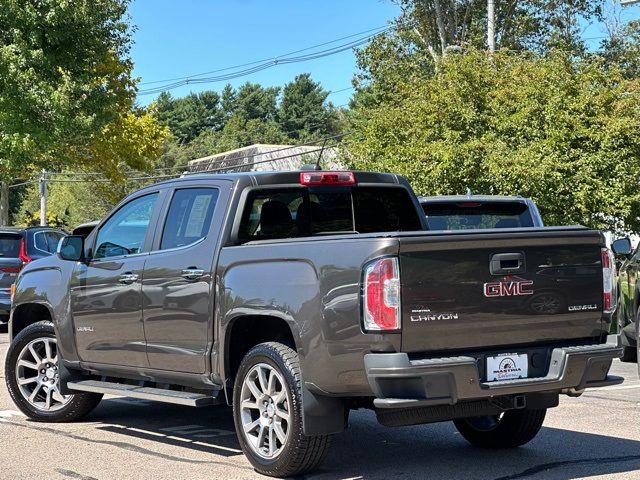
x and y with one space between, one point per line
438 451
370 451
4 327
207 429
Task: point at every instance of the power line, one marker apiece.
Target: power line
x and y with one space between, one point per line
263 66
288 147
384 27
184 167
255 130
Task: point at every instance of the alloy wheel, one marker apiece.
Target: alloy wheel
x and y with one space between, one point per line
265 411
38 377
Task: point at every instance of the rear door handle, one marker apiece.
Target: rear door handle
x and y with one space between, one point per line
192 273
128 278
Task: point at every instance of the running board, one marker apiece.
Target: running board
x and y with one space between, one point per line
144 393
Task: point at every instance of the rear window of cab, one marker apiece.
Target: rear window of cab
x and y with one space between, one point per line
291 212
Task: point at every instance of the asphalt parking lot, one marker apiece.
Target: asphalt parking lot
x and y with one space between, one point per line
596 436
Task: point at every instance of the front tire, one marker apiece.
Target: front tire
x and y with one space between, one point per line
630 352
267 411
512 429
31 372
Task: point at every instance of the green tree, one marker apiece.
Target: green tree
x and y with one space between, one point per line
303 112
65 82
622 50
189 116
253 101
535 25
559 129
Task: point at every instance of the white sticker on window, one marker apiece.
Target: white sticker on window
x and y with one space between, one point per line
197 215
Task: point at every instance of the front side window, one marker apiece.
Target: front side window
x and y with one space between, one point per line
189 217
124 233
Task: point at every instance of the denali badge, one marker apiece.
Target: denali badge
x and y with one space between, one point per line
430 317
84 329
581 308
509 287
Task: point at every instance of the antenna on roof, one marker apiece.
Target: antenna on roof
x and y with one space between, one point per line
318 167
469 193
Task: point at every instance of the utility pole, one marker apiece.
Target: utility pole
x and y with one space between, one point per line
491 25
4 203
43 198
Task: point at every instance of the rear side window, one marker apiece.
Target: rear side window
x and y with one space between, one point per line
302 212
189 217
477 215
9 245
40 242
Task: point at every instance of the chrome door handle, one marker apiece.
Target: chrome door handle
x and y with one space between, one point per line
128 278
192 273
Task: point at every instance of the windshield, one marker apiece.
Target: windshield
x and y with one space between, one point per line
471 214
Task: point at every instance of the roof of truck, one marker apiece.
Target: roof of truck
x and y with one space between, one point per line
282 177
465 198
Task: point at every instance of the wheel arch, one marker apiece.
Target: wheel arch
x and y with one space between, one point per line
246 331
26 314
322 415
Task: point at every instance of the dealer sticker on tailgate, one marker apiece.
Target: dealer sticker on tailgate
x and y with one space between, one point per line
507 366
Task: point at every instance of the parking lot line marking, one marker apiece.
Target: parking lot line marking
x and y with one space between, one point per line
186 440
10 413
146 432
621 387
183 428
220 447
198 431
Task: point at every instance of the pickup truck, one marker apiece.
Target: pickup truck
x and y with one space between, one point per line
299 296
455 212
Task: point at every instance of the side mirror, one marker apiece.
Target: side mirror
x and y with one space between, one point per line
71 248
622 246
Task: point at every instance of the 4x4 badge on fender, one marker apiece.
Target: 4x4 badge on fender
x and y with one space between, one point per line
508 287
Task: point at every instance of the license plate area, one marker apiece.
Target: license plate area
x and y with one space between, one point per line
507 366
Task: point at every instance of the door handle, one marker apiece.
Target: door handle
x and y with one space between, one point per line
192 273
507 263
128 278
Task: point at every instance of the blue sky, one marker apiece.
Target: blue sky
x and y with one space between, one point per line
180 38
187 37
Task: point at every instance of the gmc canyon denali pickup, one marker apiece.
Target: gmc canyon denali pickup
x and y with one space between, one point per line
297 296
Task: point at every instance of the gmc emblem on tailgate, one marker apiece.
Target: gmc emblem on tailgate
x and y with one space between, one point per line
508 288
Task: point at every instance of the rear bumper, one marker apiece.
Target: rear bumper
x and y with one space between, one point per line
399 382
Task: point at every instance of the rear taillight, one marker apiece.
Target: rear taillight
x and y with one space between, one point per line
11 269
608 281
381 295
23 252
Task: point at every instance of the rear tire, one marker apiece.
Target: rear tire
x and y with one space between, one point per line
513 429
31 372
629 355
267 412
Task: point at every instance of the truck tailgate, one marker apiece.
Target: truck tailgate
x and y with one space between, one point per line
485 289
